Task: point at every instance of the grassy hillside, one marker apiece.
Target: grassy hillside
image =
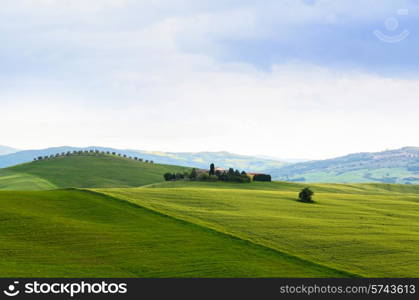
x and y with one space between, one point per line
132 224
367 229
73 233
14 181
83 171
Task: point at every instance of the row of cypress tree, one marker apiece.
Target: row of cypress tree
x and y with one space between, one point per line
89 152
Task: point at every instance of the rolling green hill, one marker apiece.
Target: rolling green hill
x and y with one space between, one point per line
400 166
83 171
367 229
127 222
73 233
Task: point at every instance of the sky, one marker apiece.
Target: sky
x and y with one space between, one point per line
284 78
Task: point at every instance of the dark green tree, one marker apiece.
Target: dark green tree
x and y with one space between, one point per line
306 195
194 174
262 177
168 176
179 176
212 169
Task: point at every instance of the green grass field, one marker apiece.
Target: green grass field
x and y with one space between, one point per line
123 221
367 229
72 233
84 171
364 188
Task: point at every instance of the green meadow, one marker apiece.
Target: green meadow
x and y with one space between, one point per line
74 233
106 216
362 229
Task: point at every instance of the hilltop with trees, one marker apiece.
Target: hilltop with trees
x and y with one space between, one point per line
91 152
85 170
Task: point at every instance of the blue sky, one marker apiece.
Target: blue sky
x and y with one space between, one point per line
337 36
309 78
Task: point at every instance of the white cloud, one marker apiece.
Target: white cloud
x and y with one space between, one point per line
285 113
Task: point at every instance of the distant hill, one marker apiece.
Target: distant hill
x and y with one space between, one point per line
83 171
7 150
198 160
220 159
391 166
28 155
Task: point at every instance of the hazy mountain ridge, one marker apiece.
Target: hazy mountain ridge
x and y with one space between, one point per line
7 150
220 159
198 159
391 166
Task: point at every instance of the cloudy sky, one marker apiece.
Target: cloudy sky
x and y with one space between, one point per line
284 78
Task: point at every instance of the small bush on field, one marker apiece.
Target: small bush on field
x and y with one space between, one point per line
306 195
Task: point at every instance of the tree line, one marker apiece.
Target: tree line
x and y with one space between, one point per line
230 176
89 152
262 177
216 175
